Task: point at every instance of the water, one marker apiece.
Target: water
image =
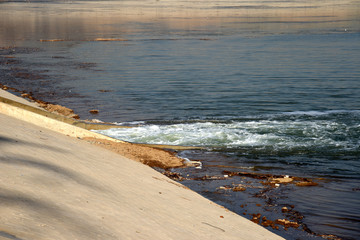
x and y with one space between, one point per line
265 86
270 74
324 145
293 132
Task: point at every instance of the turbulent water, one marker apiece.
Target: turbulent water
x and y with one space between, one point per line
265 86
317 144
329 132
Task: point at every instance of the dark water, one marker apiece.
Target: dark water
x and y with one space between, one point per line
265 86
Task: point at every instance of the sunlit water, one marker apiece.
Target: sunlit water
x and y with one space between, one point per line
263 85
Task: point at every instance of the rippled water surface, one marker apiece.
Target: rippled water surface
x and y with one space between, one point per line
264 86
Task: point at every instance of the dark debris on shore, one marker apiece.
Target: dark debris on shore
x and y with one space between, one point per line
264 187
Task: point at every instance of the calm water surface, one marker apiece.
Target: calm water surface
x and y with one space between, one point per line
264 86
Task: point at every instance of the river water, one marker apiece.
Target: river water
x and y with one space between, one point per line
269 87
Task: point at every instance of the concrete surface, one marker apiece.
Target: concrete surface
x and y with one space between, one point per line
53 186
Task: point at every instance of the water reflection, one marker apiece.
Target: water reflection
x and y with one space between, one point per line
86 20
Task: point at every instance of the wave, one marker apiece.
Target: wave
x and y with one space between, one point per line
321 113
323 132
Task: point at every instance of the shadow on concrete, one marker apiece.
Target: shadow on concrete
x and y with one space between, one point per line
7 140
63 172
9 236
59 218
24 211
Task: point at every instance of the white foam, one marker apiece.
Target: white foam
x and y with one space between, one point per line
319 113
285 134
134 123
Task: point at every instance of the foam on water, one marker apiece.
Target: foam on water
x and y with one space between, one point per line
319 113
298 131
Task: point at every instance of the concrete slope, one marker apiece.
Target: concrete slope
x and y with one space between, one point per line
57 187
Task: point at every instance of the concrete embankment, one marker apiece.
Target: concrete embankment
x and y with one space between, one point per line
53 186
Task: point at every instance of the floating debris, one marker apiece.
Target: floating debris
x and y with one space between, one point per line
286 223
110 39
174 176
224 188
281 180
274 180
191 163
52 40
238 189
207 177
268 223
284 209
306 184
105 90
94 111
256 218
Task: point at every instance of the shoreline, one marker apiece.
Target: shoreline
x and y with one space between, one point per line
159 158
37 161
168 162
151 156
59 187
162 156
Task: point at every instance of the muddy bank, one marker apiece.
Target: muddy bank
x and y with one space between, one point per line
53 108
146 155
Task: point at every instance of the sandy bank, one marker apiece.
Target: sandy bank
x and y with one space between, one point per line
58 187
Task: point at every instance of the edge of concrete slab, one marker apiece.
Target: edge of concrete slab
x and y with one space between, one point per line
65 125
48 120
